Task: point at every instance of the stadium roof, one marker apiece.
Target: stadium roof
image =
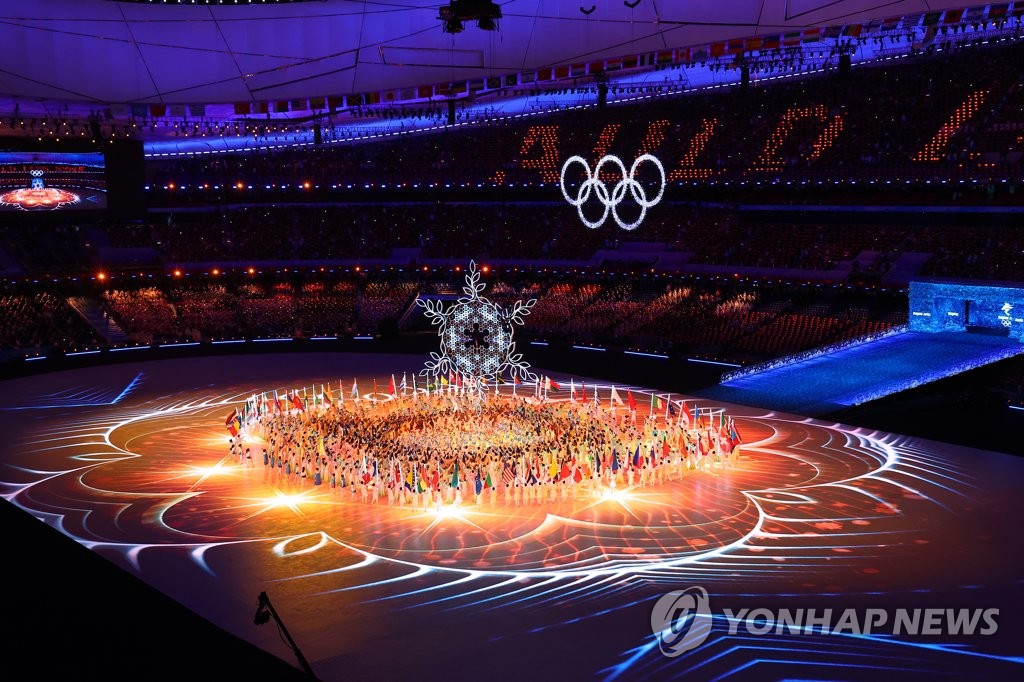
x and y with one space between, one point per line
152 52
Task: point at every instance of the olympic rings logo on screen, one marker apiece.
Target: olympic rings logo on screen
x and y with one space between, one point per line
611 200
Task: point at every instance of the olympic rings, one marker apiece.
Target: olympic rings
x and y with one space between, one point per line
611 200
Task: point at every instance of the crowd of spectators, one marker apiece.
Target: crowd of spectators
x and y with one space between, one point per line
877 123
41 320
716 317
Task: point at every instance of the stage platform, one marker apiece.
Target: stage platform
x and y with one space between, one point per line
131 462
865 372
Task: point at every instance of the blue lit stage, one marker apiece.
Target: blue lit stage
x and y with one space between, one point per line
130 461
864 372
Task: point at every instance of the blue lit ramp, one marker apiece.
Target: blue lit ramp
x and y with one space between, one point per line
865 372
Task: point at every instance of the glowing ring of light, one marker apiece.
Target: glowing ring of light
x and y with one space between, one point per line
611 199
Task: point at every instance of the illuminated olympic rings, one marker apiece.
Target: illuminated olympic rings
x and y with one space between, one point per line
611 200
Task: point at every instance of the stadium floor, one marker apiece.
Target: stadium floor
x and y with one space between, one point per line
124 459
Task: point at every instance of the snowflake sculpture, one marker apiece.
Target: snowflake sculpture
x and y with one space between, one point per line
476 335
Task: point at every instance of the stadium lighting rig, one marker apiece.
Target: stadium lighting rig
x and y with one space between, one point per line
457 12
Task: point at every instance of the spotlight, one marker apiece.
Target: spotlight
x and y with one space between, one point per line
453 26
486 24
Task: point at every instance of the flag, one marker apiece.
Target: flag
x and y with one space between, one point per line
615 399
631 400
615 461
550 385
403 387
655 403
355 391
696 417
507 476
391 386
684 416
572 390
375 386
636 457
233 423
296 403
455 475
596 401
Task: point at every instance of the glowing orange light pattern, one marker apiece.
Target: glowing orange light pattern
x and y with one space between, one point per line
29 198
687 169
770 160
965 112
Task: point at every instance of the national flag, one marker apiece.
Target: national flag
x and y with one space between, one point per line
696 417
391 386
499 381
403 387
296 403
615 461
998 11
355 391
233 423
631 400
616 399
671 408
375 385
636 457
572 390
550 385
516 381
684 415
455 475
277 402
507 477
656 403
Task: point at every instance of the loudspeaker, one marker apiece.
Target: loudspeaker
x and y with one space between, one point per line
451 112
745 77
844 65
602 95
318 134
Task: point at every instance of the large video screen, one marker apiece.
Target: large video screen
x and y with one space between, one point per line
52 181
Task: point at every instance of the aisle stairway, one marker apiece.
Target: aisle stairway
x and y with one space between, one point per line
92 312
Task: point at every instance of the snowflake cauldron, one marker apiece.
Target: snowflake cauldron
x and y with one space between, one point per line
476 335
